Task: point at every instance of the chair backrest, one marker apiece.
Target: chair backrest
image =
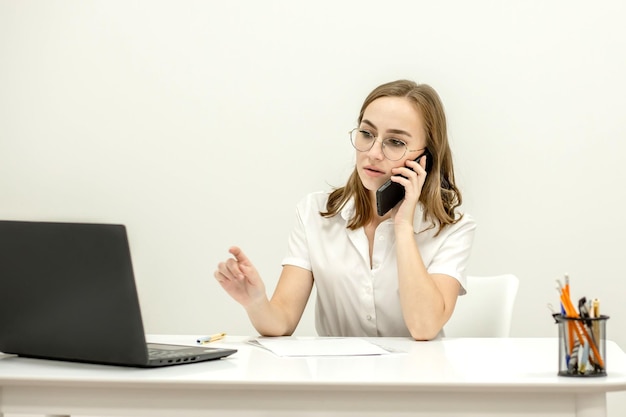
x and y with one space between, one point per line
486 309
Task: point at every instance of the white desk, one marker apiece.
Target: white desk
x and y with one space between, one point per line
450 377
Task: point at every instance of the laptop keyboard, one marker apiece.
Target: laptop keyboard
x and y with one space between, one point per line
166 354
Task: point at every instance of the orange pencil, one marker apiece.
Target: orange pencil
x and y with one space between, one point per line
570 324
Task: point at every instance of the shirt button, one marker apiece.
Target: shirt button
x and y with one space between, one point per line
381 238
369 317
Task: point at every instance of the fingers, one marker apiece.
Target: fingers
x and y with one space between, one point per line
229 270
423 161
415 172
219 276
418 166
239 255
233 269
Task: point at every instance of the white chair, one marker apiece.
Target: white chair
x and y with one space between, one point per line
486 309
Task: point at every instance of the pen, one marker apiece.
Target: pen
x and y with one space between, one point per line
211 338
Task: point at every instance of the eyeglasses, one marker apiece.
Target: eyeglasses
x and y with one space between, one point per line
394 149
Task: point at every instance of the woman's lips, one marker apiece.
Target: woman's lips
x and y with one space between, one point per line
373 171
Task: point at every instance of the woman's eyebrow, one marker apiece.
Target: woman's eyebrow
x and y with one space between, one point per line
399 132
394 131
367 122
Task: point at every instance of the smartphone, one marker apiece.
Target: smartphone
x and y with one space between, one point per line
391 193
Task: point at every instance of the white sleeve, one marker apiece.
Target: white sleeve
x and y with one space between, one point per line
453 255
298 248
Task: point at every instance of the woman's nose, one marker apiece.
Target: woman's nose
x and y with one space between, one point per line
376 151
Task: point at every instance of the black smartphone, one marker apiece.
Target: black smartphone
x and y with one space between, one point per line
391 193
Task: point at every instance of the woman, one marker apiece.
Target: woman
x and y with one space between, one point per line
396 274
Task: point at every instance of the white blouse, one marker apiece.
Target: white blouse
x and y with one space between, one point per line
352 298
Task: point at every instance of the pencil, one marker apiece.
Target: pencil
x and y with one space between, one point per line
211 338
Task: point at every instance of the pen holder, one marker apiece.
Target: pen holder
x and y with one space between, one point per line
582 346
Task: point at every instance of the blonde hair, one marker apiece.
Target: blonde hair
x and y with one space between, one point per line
440 195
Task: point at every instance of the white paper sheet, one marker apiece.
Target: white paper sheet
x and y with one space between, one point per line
325 346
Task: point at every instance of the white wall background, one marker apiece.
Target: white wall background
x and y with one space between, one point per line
200 124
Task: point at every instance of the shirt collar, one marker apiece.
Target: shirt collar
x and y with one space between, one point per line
419 225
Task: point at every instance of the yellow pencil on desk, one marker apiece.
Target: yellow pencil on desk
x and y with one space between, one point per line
211 338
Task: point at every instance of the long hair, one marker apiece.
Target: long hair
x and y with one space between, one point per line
440 195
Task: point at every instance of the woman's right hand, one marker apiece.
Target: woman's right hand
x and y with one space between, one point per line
240 279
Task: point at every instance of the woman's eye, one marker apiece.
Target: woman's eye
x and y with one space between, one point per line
394 143
366 134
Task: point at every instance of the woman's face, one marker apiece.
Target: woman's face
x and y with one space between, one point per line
394 118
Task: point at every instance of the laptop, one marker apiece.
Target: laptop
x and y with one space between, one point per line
67 292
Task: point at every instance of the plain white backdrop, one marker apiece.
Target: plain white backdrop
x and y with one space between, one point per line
200 124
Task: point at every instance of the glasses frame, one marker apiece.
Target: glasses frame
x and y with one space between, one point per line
382 141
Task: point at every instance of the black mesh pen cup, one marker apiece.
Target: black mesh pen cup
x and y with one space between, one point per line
582 346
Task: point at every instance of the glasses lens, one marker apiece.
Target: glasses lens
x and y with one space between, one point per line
362 140
394 149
